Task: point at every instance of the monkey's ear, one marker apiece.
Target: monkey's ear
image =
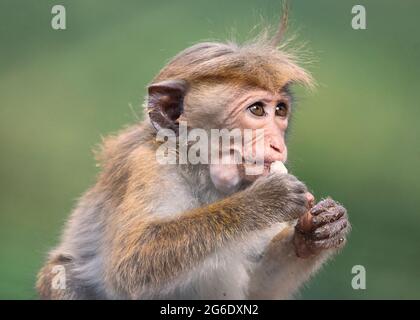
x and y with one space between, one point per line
165 103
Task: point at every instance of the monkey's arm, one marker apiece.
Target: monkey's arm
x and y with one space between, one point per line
293 256
281 272
151 253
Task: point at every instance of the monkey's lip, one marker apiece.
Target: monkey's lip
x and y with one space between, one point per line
266 165
266 161
269 162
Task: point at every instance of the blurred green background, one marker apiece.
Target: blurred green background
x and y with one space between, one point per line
356 137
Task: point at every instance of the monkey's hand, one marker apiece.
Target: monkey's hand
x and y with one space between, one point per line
282 197
326 229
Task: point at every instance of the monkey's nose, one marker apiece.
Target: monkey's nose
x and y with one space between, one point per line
275 147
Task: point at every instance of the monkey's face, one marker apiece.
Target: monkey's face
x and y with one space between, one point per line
262 117
267 115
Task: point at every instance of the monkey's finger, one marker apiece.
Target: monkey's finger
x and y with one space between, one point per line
322 206
311 199
329 243
330 230
328 216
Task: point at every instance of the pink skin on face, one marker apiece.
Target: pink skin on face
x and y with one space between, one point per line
257 109
227 177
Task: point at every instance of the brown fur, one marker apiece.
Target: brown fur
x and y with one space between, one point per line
138 248
257 63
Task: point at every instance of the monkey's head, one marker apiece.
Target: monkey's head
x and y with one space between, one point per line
215 85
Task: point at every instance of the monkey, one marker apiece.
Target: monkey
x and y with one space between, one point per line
146 230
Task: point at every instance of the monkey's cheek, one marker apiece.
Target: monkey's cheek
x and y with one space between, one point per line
225 178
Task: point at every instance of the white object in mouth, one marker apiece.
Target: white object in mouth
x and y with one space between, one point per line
278 167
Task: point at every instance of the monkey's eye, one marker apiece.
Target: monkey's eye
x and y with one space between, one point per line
257 109
281 110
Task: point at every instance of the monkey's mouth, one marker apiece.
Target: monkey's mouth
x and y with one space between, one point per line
267 166
253 170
